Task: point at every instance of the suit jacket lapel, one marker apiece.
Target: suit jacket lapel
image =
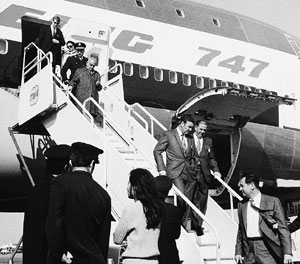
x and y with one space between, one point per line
178 140
244 214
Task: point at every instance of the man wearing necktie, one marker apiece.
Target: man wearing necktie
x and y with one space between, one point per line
51 39
263 236
205 163
177 145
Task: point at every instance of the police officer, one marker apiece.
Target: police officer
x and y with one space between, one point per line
74 62
79 210
35 245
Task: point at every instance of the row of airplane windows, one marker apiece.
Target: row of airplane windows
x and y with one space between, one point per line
173 77
179 12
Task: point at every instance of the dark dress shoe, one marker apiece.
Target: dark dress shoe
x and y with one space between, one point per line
199 231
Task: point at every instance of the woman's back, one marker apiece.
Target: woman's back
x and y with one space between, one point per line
141 242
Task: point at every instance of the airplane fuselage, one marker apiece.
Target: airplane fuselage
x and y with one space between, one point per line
170 51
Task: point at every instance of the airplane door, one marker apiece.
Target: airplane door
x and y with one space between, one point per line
227 110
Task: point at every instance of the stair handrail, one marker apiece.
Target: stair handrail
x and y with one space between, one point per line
151 117
36 60
130 107
127 139
130 142
229 189
109 69
232 194
205 219
11 259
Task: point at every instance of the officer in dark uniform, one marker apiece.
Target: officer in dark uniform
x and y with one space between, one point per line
80 210
74 62
35 245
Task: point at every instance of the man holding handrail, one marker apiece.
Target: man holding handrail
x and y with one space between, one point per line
205 162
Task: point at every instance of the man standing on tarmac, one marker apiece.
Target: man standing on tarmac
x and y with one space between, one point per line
80 210
263 236
35 244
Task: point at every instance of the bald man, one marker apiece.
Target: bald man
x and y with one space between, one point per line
86 83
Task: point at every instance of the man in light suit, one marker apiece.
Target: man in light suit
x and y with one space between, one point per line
263 236
177 145
205 162
51 39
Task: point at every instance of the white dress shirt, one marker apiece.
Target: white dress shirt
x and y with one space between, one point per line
253 217
198 143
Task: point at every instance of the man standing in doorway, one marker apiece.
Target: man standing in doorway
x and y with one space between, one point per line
263 236
51 39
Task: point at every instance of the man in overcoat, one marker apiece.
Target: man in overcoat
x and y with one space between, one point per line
86 83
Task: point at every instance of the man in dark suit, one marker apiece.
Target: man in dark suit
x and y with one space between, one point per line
51 39
74 62
205 162
80 210
263 236
35 244
177 145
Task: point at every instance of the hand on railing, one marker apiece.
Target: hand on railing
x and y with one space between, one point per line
217 175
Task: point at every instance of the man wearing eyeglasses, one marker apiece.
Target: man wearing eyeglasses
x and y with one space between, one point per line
51 39
86 83
197 189
74 62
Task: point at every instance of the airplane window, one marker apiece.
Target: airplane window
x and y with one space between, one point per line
128 69
3 46
179 12
224 83
236 86
140 3
173 77
199 82
216 22
158 74
113 63
186 79
144 72
212 83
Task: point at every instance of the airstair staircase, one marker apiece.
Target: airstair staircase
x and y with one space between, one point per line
127 140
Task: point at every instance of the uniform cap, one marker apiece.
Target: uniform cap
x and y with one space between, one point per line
80 45
60 152
87 149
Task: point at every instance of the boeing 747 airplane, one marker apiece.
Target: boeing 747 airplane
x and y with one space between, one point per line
177 57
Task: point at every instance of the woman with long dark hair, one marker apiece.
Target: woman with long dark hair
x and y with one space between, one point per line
140 221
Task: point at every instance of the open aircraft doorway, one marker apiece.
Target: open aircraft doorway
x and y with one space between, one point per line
227 110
